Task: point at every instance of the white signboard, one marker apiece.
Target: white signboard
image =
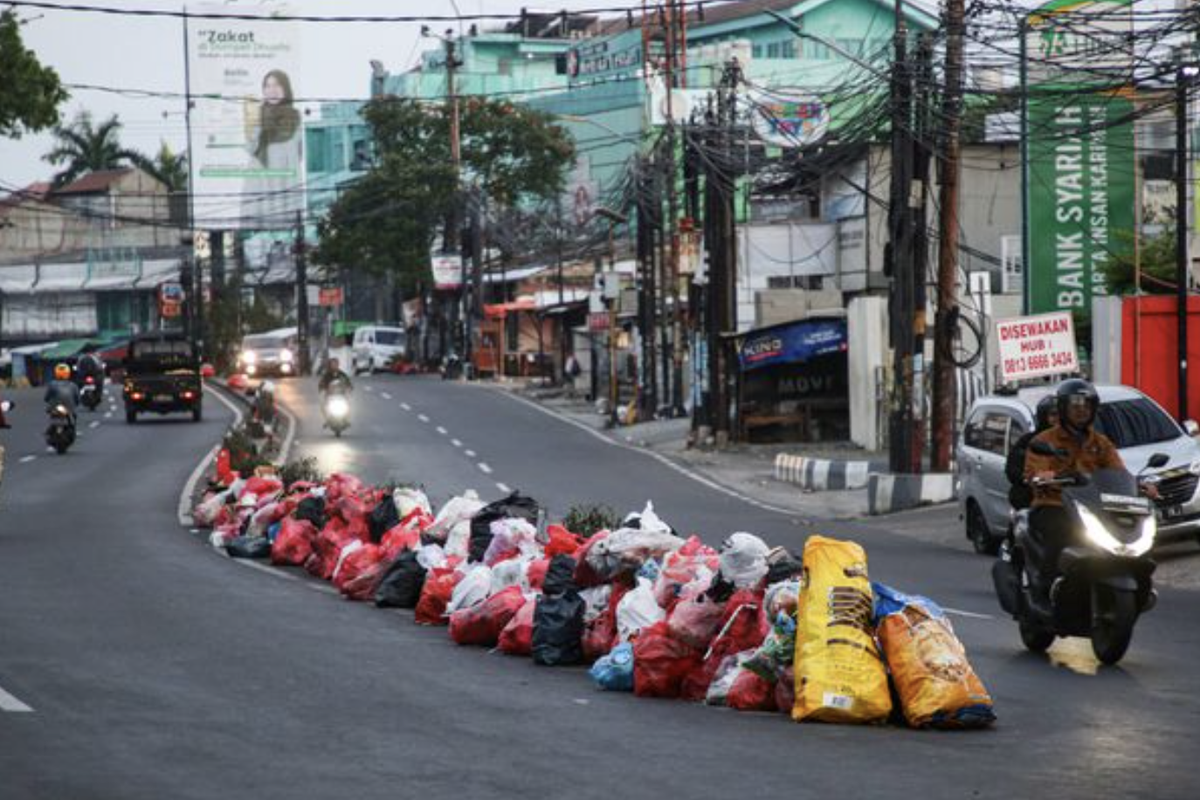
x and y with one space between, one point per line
447 271
789 119
248 134
1031 347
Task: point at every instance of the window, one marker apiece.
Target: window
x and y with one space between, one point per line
787 49
756 50
392 338
1016 430
1130 423
773 50
988 430
318 160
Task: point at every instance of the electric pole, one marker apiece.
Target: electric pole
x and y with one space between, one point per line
1181 233
674 21
944 387
301 296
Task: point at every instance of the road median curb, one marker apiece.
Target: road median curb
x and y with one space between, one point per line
822 474
888 492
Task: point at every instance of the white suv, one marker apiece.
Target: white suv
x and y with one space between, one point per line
1137 426
375 346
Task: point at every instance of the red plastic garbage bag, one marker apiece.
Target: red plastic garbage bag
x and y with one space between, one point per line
585 576
742 628
562 541
482 624
340 485
751 692
517 637
357 562
785 690
695 620
677 572
361 588
435 595
694 547
326 549
294 543
661 662
535 573
262 487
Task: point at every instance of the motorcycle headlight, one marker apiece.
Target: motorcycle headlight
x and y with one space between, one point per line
337 406
1100 536
286 356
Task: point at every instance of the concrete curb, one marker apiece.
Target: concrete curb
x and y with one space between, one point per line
819 474
888 492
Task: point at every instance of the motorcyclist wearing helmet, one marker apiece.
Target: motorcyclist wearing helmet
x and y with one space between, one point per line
90 366
332 378
1084 450
62 390
1020 495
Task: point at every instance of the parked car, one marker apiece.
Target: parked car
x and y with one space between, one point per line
271 353
1137 426
375 346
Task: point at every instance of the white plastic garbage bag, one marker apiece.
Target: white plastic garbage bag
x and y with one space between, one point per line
346 550
457 510
511 572
627 549
458 543
595 601
472 589
744 559
638 609
205 513
431 556
510 534
408 499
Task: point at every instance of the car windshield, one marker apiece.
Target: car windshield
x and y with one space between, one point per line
262 343
395 338
1130 423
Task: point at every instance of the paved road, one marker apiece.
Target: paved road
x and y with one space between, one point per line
155 668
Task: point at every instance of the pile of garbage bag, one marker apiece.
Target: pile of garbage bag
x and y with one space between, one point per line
744 625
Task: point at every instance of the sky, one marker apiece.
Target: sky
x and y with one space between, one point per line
146 53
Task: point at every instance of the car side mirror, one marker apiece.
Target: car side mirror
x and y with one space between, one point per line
1158 460
1191 427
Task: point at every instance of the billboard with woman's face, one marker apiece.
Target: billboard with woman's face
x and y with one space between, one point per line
247 132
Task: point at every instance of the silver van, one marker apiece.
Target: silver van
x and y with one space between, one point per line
1137 426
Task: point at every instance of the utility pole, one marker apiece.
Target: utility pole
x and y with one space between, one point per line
674 21
898 258
945 397
1181 233
646 266
301 296
919 209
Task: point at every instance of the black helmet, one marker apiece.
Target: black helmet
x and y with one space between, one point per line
1045 406
1073 391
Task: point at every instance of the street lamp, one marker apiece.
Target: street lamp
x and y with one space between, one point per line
614 219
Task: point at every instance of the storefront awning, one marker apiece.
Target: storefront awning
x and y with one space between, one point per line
18 279
792 343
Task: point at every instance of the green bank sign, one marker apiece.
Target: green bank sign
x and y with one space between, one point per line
1079 150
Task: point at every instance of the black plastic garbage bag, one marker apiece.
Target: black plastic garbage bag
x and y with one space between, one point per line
311 509
401 584
516 506
383 518
558 629
782 567
560 575
249 547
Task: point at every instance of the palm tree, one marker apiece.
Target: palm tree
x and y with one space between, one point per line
83 147
170 168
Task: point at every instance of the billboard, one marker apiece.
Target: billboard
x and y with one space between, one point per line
247 132
1032 347
1079 161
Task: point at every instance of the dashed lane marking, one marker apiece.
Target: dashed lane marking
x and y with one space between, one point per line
108 415
503 487
385 395
485 468
11 704
406 406
442 430
456 442
27 459
423 418
94 424
470 454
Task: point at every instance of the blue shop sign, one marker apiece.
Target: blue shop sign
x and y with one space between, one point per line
793 344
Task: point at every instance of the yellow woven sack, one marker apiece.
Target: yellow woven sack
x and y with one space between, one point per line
840 676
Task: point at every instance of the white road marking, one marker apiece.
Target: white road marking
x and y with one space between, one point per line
95 424
423 418
184 510
968 614
27 459
264 568
385 395
456 442
485 468
503 488
442 430
406 406
322 588
108 415
370 388
11 704
470 454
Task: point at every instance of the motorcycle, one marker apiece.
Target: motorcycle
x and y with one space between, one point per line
452 367
60 433
336 408
89 394
1103 581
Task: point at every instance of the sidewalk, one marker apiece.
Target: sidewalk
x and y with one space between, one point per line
746 469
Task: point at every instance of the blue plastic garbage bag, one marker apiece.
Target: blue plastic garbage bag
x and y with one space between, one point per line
614 672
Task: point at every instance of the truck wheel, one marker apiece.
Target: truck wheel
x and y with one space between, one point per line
130 416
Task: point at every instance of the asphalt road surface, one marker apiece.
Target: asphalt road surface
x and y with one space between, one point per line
135 662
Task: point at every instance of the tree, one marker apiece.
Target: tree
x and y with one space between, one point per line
84 147
170 168
388 220
30 93
1156 262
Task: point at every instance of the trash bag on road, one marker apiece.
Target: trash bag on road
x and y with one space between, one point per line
435 595
661 662
360 586
383 518
366 558
839 672
614 672
751 692
695 620
457 510
294 543
481 624
511 537
680 570
637 610
744 560
249 547
515 506
262 487
560 541
408 499
558 629
311 509
517 637
535 573
560 576
934 680
472 589
778 650
348 549
625 550
585 574
401 583
742 629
